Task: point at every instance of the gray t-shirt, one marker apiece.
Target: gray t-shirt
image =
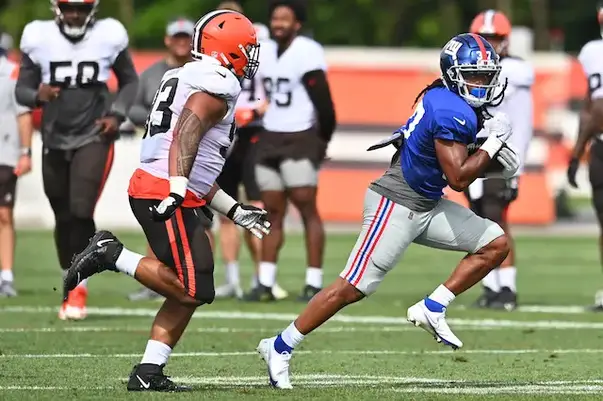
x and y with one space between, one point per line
393 186
147 86
10 142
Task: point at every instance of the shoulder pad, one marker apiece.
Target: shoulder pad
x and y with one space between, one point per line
518 71
32 35
589 50
210 77
114 32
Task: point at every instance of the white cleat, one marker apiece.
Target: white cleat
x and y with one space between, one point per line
278 364
229 291
278 292
433 322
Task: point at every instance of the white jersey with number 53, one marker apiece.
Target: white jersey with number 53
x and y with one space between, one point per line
176 87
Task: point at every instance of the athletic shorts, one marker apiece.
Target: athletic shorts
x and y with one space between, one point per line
388 228
8 186
490 198
77 177
239 168
288 159
595 175
182 244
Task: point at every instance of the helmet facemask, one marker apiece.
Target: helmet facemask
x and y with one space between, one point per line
477 84
74 32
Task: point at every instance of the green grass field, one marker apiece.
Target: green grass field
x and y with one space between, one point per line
549 349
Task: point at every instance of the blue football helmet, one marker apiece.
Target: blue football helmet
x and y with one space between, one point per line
470 68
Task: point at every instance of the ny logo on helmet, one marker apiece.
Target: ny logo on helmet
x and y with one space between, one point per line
452 48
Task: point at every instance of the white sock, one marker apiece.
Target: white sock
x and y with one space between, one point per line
442 295
267 276
84 283
314 277
156 353
291 336
254 280
492 280
507 277
7 275
232 274
128 261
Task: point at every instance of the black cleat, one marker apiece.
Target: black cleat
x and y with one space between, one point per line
307 293
485 300
100 255
506 300
149 377
261 293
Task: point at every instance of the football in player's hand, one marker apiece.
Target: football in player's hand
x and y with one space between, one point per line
494 168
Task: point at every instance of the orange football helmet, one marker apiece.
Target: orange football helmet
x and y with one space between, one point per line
492 23
230 38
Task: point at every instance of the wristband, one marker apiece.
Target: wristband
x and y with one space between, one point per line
178 185
492 145
26 152
222 202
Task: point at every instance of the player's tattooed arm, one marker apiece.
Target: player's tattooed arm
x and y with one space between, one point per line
459 168
200 113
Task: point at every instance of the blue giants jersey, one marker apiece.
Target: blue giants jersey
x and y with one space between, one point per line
440 114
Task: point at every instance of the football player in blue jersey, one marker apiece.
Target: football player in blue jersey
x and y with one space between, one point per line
405 205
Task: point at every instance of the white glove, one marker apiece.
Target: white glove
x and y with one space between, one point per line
249 217
509 160
499 131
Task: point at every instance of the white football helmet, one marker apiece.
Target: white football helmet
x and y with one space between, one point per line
70 30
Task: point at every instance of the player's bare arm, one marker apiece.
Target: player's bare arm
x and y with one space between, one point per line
26 129
590 123
201 112
460 168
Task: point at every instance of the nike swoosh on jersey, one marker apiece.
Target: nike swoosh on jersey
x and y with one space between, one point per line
462 122
220 74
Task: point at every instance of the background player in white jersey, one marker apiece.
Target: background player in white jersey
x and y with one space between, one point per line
239 168
491 197
65 66
16 129
188 134
298 125
177 40
590 130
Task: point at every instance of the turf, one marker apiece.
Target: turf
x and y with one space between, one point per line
550 349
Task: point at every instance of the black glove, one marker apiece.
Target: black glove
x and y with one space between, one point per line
572 169
167 207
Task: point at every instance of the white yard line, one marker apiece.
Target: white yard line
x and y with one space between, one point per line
316 352
407 384
287 317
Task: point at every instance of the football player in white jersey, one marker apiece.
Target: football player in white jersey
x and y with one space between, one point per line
16 130
188 133
590 130
240 169
65 66
491 197
298 124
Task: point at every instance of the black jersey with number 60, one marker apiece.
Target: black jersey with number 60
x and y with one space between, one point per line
81 69
176 87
